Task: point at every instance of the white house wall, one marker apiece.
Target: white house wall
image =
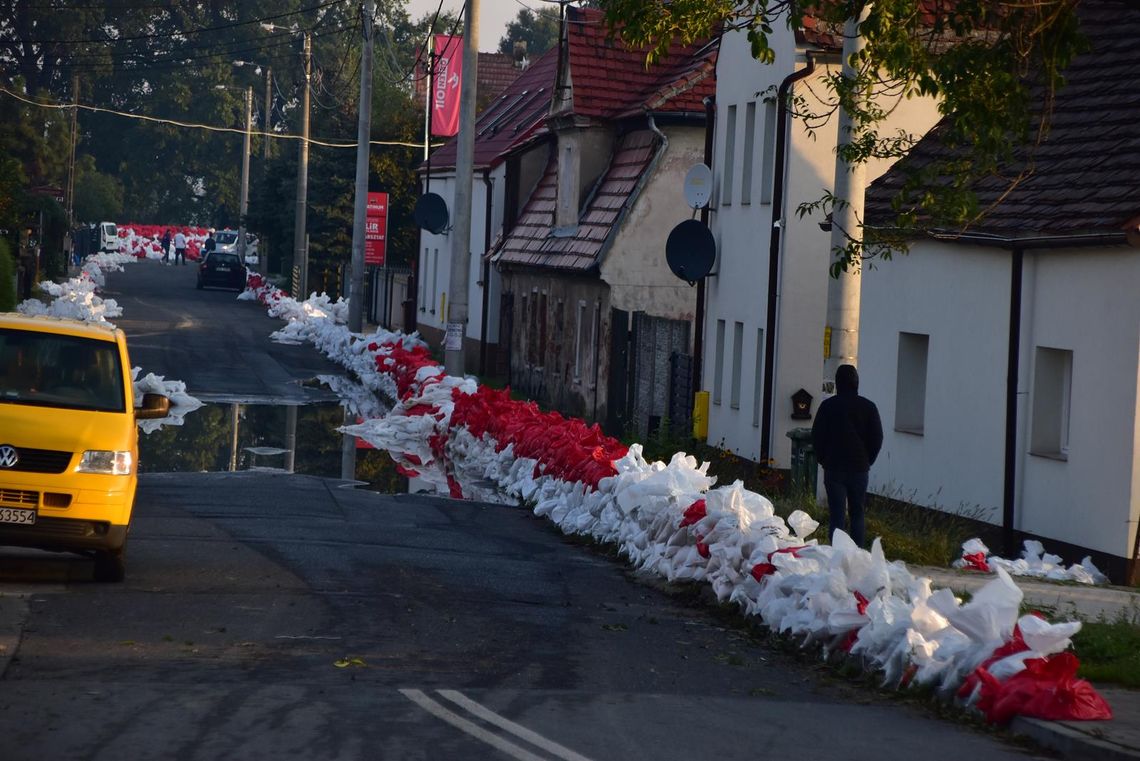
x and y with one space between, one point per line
435 257
738 292
959 297
635 266
1075 300
1085 302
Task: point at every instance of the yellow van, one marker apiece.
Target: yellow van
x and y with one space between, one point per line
68 439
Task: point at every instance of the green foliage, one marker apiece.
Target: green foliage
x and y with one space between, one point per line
7 277
1110 650
98 196
980 59
538 30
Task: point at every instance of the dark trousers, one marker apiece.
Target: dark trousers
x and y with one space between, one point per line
846 494
179 253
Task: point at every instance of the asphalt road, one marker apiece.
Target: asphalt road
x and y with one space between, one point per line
291 617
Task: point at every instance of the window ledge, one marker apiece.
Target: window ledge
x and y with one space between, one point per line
1058 456
911 431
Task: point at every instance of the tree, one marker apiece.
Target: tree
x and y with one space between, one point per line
980 58
98 196
537 30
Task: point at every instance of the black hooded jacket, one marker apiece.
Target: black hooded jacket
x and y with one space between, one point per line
847 433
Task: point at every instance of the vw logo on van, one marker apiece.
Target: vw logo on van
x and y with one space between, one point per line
8 456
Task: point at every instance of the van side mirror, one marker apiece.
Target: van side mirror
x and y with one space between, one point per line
154 406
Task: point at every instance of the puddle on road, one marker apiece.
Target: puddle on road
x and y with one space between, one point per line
265 433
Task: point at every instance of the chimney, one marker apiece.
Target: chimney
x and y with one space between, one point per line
521 60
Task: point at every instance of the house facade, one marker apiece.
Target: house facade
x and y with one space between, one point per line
594 311
509 157
1005 357
767 295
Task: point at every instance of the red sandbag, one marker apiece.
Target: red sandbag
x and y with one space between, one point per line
1048 688
694 513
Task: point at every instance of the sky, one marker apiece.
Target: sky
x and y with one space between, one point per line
494 15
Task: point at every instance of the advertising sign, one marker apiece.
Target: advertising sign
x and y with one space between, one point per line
376 229
445 86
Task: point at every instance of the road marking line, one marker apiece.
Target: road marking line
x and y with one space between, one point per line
457 721
517 730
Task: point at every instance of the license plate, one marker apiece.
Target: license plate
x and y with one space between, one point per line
16 515
223 269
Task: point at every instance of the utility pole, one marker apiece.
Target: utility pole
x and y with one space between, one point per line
69 194
360 212
841 333
245 149
464 179
267 122
300 249
360 208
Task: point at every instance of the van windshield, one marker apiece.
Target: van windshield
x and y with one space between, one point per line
110 230
226 237
51 370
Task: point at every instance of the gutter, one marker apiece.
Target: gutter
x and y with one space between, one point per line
1017 248
774 248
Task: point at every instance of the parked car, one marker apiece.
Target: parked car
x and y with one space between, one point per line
221 270
68 438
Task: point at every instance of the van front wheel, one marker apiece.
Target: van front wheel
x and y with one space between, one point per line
110 565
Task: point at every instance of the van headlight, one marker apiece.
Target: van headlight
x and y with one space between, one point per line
102 461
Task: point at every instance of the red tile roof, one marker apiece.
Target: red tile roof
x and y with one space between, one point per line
516 116
533 241
610 79
496 72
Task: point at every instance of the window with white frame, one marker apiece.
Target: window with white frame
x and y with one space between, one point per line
729 156
718 365
768 153
746 162
1052 396
758 379
910 386
737 360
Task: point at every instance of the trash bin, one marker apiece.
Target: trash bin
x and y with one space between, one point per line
804 467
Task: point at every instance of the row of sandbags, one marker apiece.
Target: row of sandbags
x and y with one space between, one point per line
672 519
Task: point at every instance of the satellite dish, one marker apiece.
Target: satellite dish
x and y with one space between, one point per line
690 250
698 186
431 213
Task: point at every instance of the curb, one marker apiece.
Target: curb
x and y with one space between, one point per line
1070 742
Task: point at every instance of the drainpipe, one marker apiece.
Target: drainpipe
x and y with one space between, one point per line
774 246
1018 246
1011 378
699 318
487 187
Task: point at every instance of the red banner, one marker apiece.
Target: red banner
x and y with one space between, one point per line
376 229
445 87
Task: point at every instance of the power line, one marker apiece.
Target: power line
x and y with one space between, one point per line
196 125
164 35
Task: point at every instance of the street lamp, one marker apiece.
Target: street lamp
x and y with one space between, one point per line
300 249
244 204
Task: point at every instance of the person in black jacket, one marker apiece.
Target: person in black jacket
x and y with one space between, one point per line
847 436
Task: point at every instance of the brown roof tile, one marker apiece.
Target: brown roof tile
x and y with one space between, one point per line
532 243
1085 176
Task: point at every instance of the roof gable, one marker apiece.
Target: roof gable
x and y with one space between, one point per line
533 240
